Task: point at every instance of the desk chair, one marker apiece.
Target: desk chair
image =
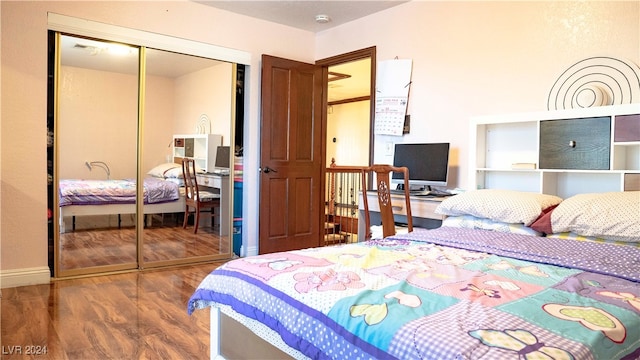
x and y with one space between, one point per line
383 185
194 197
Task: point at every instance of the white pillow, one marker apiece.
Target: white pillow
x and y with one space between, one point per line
507 206
175 173
160 170
611 215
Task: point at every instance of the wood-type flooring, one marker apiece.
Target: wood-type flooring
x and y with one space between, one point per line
163 241
136 315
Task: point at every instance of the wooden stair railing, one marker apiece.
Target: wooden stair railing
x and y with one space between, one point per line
344 185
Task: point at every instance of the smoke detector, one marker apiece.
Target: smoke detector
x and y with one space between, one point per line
322 19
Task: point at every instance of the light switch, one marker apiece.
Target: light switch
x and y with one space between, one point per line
389 148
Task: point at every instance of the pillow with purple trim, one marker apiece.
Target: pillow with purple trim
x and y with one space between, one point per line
472 222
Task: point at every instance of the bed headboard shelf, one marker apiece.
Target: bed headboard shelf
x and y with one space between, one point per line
200 147
567 152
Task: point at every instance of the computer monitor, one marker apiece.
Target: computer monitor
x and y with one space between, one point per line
222 157
428 164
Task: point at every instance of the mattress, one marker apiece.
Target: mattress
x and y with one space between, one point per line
121 191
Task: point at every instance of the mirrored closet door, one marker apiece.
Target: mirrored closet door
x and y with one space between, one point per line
96 138
125 118
188 111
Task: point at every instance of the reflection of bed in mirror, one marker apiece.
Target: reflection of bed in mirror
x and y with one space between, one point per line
109 197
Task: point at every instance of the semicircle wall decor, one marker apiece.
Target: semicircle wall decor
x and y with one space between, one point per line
203 126
596 81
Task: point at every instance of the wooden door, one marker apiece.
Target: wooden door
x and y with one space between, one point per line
291 155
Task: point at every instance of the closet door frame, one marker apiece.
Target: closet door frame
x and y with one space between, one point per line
142 39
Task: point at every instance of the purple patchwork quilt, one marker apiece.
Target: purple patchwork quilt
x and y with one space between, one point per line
446 293
123 191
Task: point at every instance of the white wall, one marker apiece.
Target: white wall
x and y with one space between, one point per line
159 116
351 147
198 96
100 113
477 57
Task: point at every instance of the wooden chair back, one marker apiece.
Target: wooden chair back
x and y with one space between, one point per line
194 197
383 186
190 182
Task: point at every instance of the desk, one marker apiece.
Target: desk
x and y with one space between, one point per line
221 184
422 211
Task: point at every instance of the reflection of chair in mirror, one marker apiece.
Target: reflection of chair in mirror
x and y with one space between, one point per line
383 186
194 197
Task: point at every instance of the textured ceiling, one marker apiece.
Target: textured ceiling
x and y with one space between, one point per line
90 54
298 14
301 14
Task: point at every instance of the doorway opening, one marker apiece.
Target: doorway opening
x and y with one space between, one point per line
348 116
350 110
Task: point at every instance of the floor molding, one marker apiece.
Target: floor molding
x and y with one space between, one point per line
251 251
24 277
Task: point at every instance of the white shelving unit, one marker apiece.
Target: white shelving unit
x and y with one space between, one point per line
500 141
200 147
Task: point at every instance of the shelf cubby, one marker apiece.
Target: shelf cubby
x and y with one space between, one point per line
501 141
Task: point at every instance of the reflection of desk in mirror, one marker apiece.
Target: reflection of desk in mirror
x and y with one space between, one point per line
423 211
222 184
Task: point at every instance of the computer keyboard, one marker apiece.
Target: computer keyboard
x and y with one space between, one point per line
434 193
425 193
395 191
220 171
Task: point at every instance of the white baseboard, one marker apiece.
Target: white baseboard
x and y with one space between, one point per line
250 251
24 277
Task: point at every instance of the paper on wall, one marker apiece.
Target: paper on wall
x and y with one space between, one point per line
392 95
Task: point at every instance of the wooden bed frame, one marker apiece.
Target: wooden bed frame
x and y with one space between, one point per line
239 342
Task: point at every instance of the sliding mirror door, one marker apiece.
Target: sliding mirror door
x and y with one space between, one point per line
125 118
96 132
188 113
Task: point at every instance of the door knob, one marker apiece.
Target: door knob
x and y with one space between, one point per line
267 170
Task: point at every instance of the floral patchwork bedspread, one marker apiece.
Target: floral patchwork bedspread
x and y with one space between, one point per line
121 191
435 294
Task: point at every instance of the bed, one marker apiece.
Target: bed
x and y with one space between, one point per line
509 275
163 193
